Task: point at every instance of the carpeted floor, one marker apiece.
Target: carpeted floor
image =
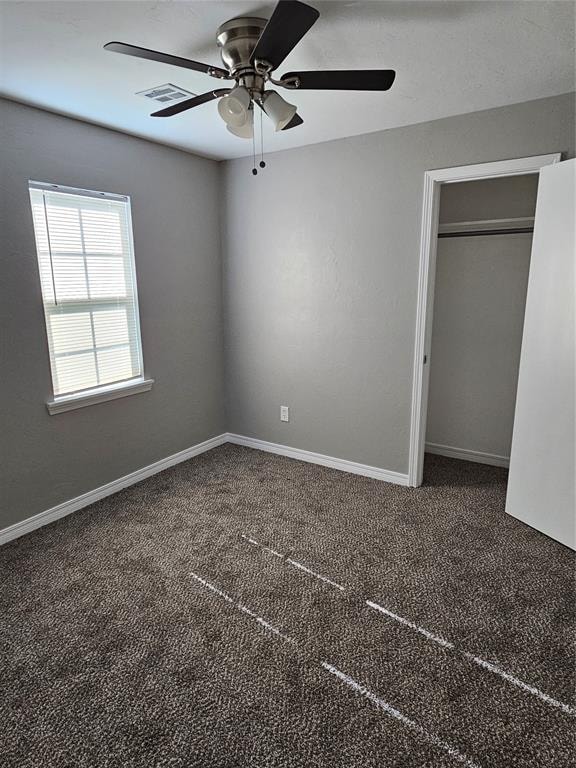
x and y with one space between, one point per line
215 615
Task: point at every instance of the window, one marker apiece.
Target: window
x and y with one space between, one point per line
86 263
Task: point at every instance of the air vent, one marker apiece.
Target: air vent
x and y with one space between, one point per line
166 94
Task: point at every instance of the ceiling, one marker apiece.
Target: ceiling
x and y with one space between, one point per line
450 58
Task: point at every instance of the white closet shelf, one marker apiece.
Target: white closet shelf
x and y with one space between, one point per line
481 225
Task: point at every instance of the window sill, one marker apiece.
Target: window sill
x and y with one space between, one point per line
100 395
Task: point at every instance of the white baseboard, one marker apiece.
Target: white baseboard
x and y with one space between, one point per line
467 455
319 458
73 505
79 502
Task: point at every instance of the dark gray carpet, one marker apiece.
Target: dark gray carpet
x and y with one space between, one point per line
114 653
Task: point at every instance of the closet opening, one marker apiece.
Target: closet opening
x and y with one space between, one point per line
477 223
482 266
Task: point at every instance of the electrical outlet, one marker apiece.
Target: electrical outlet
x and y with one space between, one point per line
284 413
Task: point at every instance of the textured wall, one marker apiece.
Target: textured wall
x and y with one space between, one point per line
480 295
507 197
321 275
49 459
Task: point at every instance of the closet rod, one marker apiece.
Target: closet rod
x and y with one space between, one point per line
478 232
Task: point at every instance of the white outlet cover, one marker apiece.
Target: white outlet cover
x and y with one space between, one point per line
284 413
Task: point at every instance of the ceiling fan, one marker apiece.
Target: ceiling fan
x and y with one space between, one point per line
251 49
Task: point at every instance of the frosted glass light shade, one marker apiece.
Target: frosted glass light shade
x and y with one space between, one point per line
278 109
234 107
245 131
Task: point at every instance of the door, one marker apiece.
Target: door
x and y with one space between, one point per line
541 483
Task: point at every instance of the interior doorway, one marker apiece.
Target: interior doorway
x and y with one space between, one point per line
482 264
452 422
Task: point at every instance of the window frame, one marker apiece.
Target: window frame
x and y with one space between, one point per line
59 403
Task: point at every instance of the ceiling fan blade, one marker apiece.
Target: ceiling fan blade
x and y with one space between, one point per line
166 58
284 30
294 123
343 80
182 106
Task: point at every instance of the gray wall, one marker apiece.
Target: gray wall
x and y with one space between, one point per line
49 459
321 276
479 300
508 197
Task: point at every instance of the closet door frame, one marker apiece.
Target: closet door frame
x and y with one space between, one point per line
433 180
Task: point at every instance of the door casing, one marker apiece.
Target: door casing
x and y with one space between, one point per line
426 279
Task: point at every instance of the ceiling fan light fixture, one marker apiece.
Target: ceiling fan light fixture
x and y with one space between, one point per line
245 131
252 49
234 107
278 109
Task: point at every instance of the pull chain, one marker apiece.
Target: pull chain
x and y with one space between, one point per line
262 163
254 171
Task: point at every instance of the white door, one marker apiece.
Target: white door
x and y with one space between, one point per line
541 483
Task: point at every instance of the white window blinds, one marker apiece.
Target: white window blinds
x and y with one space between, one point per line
86 262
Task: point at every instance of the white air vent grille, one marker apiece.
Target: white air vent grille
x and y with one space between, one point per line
166 94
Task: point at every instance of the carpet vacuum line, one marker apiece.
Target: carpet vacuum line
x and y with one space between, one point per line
295 563
242 608
502 673
384 706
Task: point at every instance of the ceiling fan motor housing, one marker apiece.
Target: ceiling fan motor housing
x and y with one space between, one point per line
237 40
